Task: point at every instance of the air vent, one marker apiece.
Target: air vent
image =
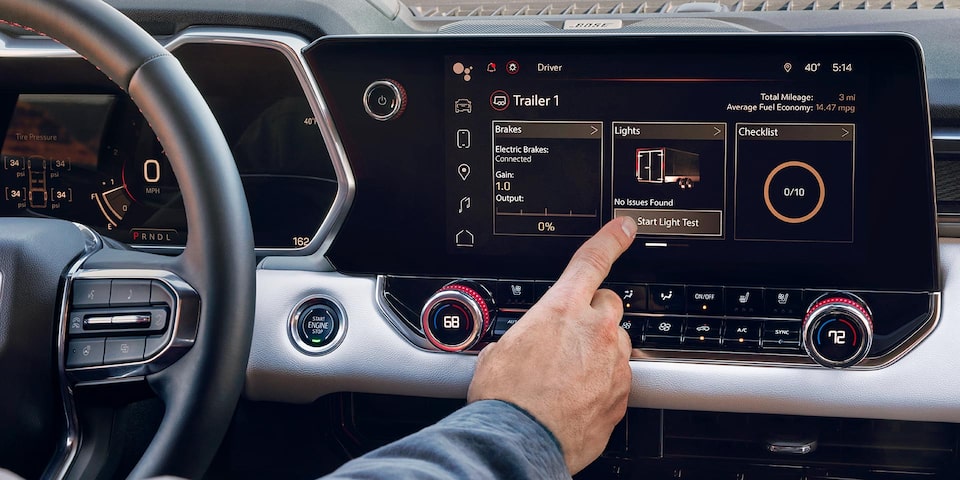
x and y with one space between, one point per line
454 8
833 442
946 155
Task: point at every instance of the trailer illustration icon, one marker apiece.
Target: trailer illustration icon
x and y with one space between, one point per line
668 165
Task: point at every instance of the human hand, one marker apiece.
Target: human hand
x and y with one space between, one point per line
566 362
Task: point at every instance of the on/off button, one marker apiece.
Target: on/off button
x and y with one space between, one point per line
384 100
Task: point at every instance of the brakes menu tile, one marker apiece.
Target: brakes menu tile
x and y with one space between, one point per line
546 177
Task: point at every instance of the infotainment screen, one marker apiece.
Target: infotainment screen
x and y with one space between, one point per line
786 160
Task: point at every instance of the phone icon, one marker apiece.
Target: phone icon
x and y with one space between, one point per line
463 138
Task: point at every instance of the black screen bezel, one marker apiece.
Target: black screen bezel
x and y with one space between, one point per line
396 224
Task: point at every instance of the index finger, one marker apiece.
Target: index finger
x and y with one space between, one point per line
592 261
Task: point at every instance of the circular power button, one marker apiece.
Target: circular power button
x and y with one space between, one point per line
384 100
317 325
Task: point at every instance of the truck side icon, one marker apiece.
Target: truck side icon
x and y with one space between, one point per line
668 165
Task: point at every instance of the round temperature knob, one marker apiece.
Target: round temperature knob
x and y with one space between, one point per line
837 331
457 316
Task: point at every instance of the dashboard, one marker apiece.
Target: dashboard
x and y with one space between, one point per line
417 184
761 191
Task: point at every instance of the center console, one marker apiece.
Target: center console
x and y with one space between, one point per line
782 186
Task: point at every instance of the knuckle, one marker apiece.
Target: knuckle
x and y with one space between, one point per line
593 258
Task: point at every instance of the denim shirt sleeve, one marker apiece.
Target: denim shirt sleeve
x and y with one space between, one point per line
486 439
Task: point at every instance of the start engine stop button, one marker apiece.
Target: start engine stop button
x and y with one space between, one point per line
317 325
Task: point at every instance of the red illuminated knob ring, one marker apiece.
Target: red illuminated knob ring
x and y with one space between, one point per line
472 301
850 309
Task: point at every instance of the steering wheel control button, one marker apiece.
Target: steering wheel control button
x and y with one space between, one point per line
781 335
160 294
663 331
384 100
705 301
97 322
458 315
837 331
87 352
783 303
318 324
91 293
154 344
742 334
75 326
135 320
667 299
744 301
123 350
130 292
702 333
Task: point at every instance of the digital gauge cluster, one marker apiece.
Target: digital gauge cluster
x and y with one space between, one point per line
90 157
61 160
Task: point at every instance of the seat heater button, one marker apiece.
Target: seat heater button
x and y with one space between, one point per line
91 293
85 353
122 350
130 292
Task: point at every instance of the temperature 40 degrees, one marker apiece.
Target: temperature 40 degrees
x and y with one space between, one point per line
546 227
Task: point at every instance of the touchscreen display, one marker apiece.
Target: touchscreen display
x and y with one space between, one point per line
695 150
773 160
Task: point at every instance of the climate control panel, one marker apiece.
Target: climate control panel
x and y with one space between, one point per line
716 323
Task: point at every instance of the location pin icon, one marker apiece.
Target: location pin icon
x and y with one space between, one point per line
787 67
463 170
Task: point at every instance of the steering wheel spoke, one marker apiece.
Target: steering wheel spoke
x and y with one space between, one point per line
184 324
125 322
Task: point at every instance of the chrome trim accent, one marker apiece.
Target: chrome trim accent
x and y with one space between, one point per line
66 452
393 111
298 310
184 322
291 46
416 338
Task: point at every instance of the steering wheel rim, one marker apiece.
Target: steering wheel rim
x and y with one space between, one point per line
200 391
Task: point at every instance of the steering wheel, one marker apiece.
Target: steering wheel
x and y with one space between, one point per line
201 386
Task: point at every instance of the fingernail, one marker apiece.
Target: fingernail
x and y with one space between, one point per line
629 226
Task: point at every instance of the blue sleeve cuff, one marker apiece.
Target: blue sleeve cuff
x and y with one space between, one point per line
486 439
